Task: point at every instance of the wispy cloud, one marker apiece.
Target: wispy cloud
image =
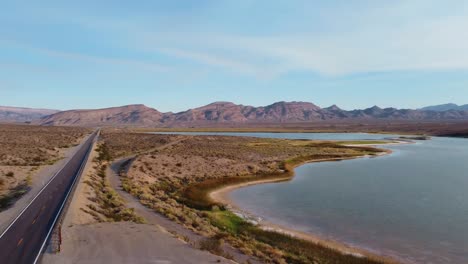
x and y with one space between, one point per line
209 59
395 38
428 44
79 56
25 66
138 64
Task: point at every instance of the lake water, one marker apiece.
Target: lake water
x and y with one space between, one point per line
412 204
315 136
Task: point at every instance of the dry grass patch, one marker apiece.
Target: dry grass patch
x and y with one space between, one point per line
106 205
175 182
24 150
123 144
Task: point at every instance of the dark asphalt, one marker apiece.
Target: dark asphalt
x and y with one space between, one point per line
24 239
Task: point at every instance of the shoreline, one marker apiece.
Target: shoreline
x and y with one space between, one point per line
221 195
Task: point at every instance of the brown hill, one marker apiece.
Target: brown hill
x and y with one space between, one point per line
220 113
227 112
21 114
287 112
131 115
215 112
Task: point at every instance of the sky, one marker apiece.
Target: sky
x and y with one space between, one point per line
176 55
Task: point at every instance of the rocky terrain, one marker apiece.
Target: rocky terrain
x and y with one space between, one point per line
20 114
132 115
227 113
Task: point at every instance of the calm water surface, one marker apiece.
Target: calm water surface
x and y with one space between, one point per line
316 136
412 204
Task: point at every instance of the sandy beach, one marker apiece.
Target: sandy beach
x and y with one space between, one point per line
222 195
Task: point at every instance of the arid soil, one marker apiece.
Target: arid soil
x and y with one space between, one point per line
175 181
202 157
123 243
101 227
27 150
121 142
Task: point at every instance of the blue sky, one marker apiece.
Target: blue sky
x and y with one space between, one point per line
175 55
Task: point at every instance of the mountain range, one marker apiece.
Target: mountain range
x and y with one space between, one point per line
225 113
445 107
21 114
229 113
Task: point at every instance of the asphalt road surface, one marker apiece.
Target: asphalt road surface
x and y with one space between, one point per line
25 239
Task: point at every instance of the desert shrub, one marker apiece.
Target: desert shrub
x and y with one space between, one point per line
7 200
10 174
212 245
38 159
104 154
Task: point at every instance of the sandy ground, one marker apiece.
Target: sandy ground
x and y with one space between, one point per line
222 195
159 220
125 242
81 197
39 179
85 240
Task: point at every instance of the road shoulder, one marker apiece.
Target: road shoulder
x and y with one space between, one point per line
39 180
86 239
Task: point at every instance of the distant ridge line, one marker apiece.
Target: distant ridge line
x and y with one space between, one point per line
230 113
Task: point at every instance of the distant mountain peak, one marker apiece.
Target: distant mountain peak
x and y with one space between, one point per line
295 104
14 108
445 107
333 108
228 113
133 106
23 114
135 114
220 103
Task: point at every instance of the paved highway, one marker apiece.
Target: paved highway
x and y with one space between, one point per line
25 239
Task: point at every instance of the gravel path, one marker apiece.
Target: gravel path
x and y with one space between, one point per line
155 218
85 241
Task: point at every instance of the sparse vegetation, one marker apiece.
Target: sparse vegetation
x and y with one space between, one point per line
213 245
110 205
176 181
121 144
35 145
295 250
24 150
6 200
